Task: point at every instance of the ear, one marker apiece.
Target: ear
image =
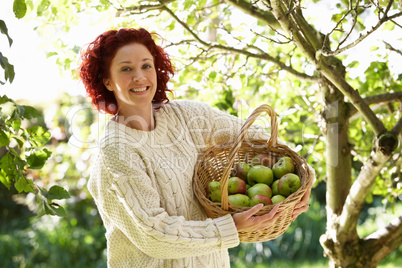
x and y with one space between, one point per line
106 82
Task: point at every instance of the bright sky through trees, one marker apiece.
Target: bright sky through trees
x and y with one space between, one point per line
39 78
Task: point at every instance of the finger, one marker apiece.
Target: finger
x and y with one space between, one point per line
267 223
249 213
304 200
271 214
299 211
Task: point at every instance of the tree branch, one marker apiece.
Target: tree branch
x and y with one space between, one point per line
330 73
381 98
292 30
384 240
143 8
385 18
397 129
262 56
359 190
252 10
392 48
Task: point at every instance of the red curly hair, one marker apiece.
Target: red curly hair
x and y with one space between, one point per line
97 57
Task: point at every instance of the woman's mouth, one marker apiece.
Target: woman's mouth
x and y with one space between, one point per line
141 89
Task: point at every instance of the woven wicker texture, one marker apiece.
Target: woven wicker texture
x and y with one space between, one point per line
217 162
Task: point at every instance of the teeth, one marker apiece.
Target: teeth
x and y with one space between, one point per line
139 89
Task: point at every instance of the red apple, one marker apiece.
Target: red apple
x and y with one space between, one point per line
240 170
263 159
236 186
259 189
257 199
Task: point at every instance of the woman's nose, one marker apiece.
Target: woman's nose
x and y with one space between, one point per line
138 76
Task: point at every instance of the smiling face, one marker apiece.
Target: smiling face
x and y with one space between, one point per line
132 79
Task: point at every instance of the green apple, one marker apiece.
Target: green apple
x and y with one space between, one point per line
274 187
214 188
239 200
260 174
277 198
259 189
283 166
257 199
240 170
263 159
236 186
288 184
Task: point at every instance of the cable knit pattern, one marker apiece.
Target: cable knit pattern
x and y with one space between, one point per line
142 185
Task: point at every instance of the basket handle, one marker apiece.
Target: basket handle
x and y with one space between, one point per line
238 142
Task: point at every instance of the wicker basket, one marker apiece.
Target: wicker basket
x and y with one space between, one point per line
217 162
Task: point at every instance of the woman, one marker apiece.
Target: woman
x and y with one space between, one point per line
142 178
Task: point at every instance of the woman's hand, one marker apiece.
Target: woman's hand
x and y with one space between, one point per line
246 221
303 205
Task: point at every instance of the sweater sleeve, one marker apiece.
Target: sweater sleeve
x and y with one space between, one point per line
129 201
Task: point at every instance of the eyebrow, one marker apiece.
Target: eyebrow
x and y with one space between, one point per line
127 61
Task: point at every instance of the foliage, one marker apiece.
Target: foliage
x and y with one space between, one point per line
23 137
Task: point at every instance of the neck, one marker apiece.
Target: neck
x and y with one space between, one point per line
141 119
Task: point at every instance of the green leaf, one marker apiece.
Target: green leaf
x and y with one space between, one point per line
59 210
8 68
4 140
30 112
58 192
353 64
50 54
43 6
53 209
38 135
5 179
19 141
38 159
212 75
23 184
19 8
56 210
4 30
16 125
389 26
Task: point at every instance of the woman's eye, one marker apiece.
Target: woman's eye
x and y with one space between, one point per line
146 66
126 69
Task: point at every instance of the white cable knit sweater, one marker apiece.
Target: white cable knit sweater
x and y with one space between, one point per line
142 185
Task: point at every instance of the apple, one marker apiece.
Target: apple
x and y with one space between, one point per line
214 188
277 198
240 170
236 186
259 189
260 174
239 200
288 184
274 187
283 166
257 199
263 159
